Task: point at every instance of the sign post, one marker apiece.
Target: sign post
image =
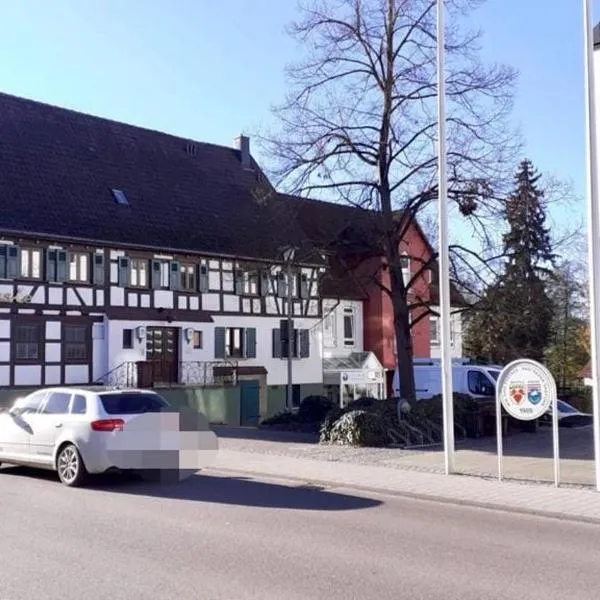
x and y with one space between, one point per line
526 390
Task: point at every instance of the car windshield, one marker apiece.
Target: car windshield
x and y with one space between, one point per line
131 403
565 408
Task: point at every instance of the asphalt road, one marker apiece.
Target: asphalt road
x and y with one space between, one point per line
222 538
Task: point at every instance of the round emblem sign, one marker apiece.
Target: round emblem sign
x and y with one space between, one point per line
527 389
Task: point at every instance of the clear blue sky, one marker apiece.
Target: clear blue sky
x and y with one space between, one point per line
208 69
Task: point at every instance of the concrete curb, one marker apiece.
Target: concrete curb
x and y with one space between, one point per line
413 495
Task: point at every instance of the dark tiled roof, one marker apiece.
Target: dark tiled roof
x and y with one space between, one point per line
57 168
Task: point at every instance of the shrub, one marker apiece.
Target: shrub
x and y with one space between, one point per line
362 403
313 409
281 419
359 428
328 422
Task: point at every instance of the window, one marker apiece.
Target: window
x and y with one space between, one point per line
234 342
405 264
27 343
79 268
479 384
300 343
75 343
161 275
247 282
188 277
138 273
349 327
79 405
28 405
31 263
197 340
434 330
120 197
57 404
293 281
127 339
132 403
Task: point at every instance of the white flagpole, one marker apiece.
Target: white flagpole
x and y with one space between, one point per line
444 270
593 225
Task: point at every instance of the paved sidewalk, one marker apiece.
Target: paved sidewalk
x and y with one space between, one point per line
546 500
527 457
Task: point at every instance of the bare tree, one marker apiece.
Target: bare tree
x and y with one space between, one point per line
359 126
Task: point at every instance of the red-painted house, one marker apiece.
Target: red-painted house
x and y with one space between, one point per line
358 316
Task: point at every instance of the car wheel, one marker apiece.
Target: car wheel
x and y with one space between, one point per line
70 467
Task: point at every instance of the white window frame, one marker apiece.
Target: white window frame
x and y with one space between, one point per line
406 271
30 266
349 311
438 339
79 267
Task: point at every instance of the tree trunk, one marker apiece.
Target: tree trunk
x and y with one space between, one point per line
404 357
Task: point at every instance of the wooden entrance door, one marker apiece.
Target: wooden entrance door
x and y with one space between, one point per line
162 354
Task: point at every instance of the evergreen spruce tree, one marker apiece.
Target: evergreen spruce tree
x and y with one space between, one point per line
515 317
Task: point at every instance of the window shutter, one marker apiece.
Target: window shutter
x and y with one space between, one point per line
98 269
202 278
277 353
3 261
281 288
51 265
12 262
61 265
155 274
219 342
123 271
175 278
265 280
304 343
304 291
250 349
239 282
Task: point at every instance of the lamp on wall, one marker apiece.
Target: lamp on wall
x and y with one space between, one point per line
189 335
140 332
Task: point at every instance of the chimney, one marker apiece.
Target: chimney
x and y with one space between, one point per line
243 145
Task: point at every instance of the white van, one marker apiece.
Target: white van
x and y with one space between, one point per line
477 381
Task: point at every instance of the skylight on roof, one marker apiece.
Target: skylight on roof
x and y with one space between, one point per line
120 197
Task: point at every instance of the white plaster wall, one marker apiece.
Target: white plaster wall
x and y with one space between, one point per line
99 346
28 375
4 374
76 374
334 346
4 328
52 373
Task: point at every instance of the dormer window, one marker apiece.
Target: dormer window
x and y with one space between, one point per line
120 197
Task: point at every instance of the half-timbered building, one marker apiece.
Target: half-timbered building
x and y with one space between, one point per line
133 257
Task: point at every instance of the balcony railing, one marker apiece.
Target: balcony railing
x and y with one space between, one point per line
145 374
